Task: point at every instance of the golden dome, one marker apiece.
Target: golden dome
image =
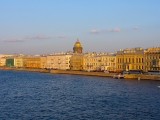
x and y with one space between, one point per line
77 44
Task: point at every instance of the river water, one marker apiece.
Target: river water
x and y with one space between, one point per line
43 96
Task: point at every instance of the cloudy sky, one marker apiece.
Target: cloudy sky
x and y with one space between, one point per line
48 26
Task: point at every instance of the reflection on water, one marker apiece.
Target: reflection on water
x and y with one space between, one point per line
31 95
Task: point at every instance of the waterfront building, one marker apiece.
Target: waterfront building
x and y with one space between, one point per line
18 61
10 62
32 62
2 61
108 62
91 62
152 58
77 62
59 61
77 47
43 60
128 59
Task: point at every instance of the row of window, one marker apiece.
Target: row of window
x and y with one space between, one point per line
33 62
127 67
153 57
130 60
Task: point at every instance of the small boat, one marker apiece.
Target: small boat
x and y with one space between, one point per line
118 76
158 86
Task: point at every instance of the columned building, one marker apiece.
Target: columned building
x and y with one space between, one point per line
129 59
77 47
152 56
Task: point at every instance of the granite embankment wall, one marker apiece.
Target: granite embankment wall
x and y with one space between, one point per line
102 74
25 69
142 76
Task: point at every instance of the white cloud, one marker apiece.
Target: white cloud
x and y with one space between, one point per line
117 30
95 31
41 36
13 40
136 28
114 30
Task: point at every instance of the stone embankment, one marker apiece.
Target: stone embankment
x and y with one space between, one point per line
142 77
25 69
102 74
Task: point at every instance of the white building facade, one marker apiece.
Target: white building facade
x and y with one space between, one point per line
2 61
91 62
108 62
58 61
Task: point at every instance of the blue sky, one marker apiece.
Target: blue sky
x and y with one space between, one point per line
48 26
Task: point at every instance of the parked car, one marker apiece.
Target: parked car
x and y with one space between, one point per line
118 76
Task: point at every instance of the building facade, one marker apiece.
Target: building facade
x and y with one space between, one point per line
128 59
2 61
32 62
58 61
152 58
108 62
18 61
77 62
43 60
9 62
91 62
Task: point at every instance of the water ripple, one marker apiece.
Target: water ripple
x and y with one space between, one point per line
42 96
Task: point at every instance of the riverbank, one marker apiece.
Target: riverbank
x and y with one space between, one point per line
142 77
101 74
20 69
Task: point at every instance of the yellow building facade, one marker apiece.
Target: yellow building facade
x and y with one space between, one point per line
77 62
108 62
91 62
129 59
18 62
43 62
2 61
32 62
152 58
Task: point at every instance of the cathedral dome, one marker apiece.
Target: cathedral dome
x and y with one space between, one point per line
77 47
77 44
